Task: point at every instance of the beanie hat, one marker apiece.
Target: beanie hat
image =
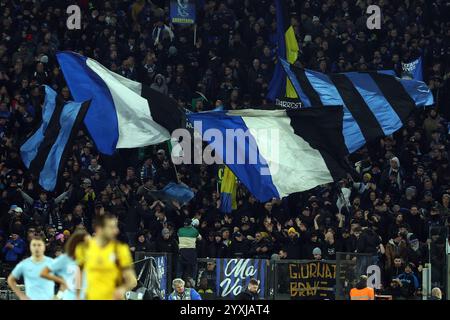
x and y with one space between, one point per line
317 251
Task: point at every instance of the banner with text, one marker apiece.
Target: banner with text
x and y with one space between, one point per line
288 103
312 280
182 11
231 276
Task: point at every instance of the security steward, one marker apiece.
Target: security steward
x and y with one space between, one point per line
361 291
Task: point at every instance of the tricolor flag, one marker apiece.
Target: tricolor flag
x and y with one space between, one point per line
287 49
375 103
46 149
123 113
277 152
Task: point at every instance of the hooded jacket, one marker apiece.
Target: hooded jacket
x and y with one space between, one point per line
163 88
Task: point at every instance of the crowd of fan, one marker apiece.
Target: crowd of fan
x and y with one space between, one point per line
398 211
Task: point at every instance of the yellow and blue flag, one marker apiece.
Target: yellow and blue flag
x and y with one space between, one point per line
228 190
288 49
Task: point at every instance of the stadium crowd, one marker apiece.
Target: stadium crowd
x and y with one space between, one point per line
398 210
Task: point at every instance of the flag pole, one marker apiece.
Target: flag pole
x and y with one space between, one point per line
169 146
195 34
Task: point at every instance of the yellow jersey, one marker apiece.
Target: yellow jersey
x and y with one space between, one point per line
103 267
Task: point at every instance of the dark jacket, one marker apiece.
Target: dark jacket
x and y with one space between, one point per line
247 295
170 245
368 242
239 249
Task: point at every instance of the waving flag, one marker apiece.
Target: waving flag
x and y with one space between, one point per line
413 70
123 113
228 190
46 149
287 49
277 152
375 103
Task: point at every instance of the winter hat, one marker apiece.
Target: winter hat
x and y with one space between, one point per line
18 210
195 223
317 251
165 231
411 191
44 59
291 230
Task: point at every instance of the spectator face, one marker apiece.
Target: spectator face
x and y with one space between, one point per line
15 236
43 197
446 200
317 257
210 266
258 237
51 232
282 254
65 93
408 269
37 248
179 288
253 288
397 262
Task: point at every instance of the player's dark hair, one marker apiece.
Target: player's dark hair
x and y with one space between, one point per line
74 240
37 237
100 219
254 282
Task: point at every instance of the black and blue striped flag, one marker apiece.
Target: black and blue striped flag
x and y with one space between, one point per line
375 103
47 147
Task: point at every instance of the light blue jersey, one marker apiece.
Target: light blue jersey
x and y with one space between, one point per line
36 288
66 268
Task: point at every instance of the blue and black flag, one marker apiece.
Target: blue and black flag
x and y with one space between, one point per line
46 149
375 103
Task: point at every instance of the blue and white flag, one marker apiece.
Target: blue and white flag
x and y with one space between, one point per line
277 152
178 191
46 149
413 70
375 104
182 11
123 113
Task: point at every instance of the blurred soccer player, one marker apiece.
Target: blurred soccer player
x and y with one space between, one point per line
65 271
106 262
36 288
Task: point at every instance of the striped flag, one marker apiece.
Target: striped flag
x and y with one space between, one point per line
375 103
287 49
303 148
46 149
123 113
